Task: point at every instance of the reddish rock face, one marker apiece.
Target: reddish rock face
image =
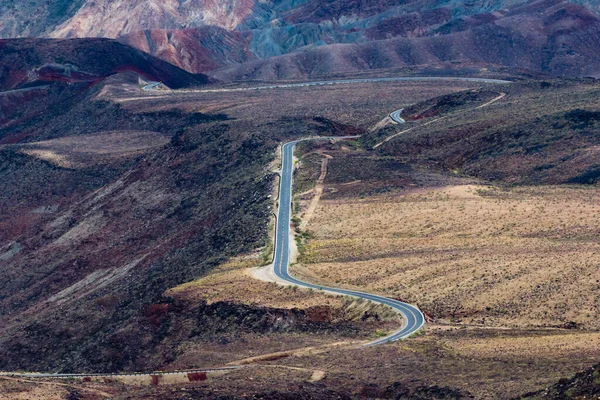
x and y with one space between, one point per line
195 50
109 18
319 314
550 36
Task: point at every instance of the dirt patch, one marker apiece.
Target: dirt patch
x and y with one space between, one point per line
27 389
240 287
318 192
80 151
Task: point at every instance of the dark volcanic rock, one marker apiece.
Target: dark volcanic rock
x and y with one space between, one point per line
584 385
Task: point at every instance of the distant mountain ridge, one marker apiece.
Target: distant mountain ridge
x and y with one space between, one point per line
114 18
246 38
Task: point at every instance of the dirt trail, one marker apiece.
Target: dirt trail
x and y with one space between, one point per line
301 352
316 374
492 101
500 96
82 388
318 190
387 139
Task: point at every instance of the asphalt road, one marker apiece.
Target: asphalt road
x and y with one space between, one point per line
151 86
413 318
396 116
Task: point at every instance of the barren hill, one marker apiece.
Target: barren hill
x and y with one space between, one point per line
27 62
541 132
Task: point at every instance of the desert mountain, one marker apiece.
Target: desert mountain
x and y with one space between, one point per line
300 38
108 18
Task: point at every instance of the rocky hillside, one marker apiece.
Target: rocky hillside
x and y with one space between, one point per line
536 133
36 17
203 49
105 204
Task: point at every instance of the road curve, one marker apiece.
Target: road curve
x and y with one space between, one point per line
151 86
396 116
413 318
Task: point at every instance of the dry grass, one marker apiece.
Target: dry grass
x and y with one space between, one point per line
549 346
233 282
519 257
488 363
36 389
31 392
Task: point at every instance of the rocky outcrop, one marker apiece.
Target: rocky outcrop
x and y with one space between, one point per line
584 385
112 19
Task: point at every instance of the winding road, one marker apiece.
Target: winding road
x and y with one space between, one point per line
413 318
